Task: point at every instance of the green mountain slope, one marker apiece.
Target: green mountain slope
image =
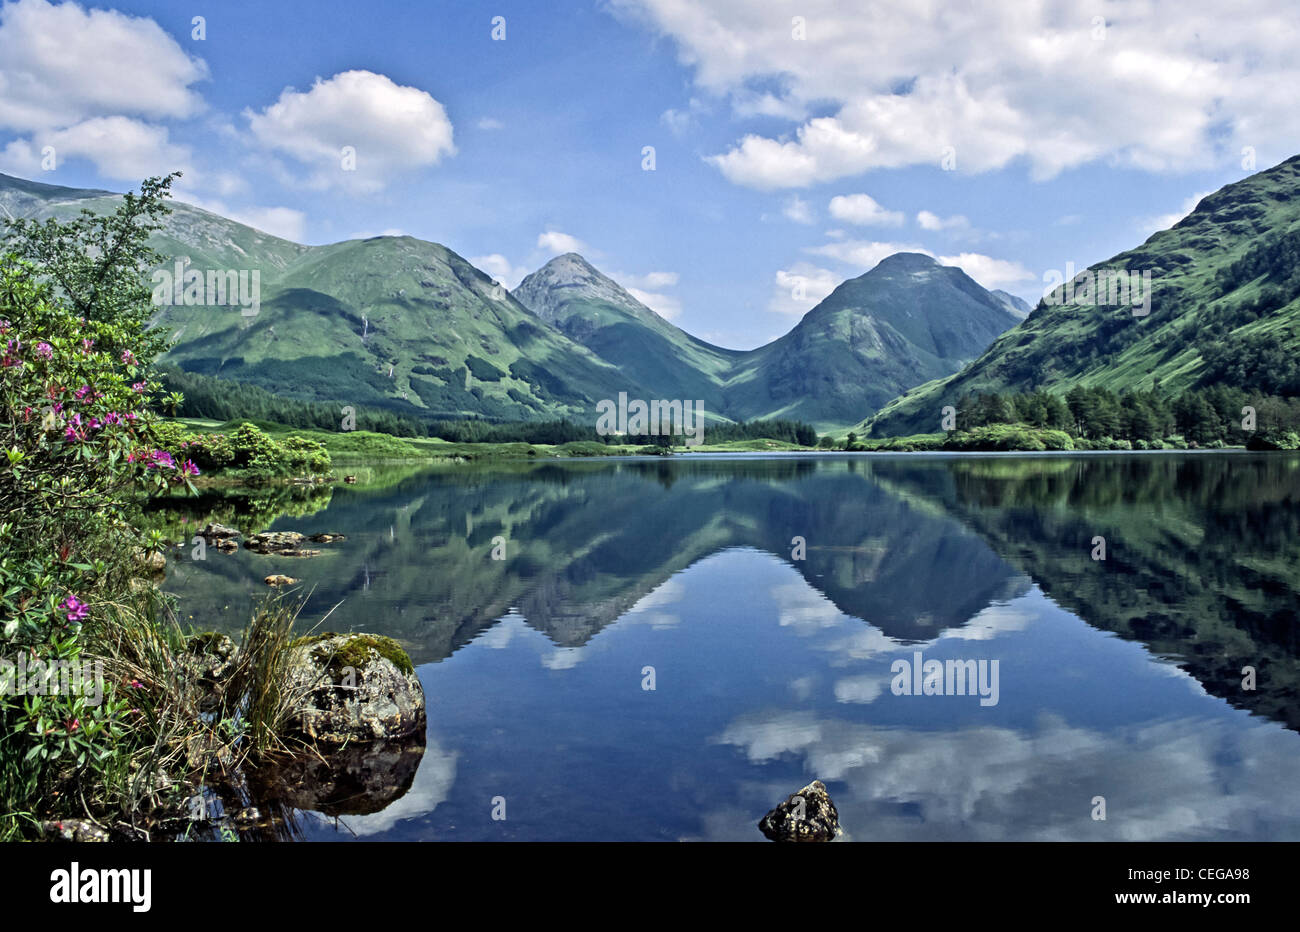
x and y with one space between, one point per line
593 310
1225 309
391 321
409 325
906 321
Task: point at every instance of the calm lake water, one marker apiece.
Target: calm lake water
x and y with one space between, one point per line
1118 678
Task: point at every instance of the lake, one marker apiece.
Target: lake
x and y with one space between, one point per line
664 648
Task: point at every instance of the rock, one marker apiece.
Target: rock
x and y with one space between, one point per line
349 479
73 830
226 546
213 532
210 658
326 538
280 542
354 687
276 579
354 779
808 815
151 560
298 553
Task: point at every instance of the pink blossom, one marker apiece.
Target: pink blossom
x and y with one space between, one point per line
44 350
139 388
75 608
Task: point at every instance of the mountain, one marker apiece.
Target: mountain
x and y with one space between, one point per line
1224 310
906 321
591 309
409 325
394 322
1016 305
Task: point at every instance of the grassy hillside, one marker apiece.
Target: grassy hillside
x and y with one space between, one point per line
906 321
1225 309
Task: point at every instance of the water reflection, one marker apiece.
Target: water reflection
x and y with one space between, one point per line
772 668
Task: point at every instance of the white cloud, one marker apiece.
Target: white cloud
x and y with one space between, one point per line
1174 85
557 243
666 306
1165 221
989 272
798 289
863 210
864 254
651 280
62 65
118 146
798 210
501 269
391 129
935 223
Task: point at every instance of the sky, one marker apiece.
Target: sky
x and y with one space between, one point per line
730 162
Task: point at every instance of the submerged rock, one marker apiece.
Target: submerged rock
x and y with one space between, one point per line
354 687
355 779
210 658
212 532
279 579
327 538
808 815
280 542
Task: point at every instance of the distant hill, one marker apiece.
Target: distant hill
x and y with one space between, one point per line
593 310
1224 310
409 325
906 321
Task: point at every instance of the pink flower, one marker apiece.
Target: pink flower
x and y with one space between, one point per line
112 417
86 345
188 468
82 392
128 357
44 350
139 388
75 608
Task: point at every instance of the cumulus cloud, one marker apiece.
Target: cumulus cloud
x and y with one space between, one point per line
557 244
862 209
798 210
989 272
935 223
665 305
866 254
388 129
798 289
61 65
501 269
1169 85
118 146
86 84
1165 221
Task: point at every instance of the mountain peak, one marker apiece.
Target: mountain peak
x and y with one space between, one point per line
908 261
568 277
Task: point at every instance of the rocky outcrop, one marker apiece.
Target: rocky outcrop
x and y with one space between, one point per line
213 532
354 687
808 815
280 543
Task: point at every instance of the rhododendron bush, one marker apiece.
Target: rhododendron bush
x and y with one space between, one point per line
77 447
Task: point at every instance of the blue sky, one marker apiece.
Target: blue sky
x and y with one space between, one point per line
1072 131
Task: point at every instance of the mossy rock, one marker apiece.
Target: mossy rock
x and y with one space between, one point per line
354 687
